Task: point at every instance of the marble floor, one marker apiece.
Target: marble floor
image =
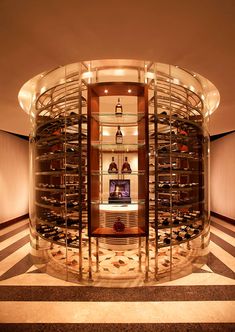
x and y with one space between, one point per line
31 300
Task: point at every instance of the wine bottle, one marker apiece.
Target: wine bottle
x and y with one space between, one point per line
113 167
118 108
119 137
126 168
59 236
167 240
72 239
118 225
187 236
165 222
49 234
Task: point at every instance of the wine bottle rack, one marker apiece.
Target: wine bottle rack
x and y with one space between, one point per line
78 206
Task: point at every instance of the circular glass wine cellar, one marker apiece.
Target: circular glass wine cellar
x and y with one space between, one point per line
119 170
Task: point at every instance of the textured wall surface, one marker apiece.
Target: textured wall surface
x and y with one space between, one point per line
14 176
223 176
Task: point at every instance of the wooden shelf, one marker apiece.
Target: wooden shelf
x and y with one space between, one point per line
110 232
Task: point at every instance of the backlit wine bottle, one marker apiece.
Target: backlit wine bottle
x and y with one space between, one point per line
72 239
167 240
59 236
118 108
49 234
113 167
119 137
126 168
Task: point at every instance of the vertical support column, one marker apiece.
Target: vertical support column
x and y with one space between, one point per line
89 260
93 180
97 254
80 165
146 258
171 197
140 255
156 170
65 162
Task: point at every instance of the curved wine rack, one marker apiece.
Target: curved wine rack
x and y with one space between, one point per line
160 232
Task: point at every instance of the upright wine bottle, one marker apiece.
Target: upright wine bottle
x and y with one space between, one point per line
119 137
126 168
113 167
118 108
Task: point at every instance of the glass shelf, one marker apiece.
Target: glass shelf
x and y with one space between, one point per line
173 242
175 121
183 206
61 242
56 155
169 172
59 139
105 205
118 174
74 227
110 232
186 155
112 120
173 226
60 121
59 190
111 147
60 172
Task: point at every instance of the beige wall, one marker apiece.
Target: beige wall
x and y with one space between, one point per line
222 176
14 176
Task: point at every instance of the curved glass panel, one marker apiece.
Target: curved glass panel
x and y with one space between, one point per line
119 154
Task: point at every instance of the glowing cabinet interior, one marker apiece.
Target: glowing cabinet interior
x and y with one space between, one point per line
106 204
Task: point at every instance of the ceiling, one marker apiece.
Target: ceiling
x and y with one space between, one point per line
36 36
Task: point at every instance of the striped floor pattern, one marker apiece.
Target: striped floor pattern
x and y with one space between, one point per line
34 301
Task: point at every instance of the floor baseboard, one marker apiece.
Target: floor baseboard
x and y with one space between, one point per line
220 216
13 221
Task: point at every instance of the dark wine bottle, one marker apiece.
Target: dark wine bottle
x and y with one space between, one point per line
49 234
118 108
113 167
167 240
165 222
59 236
119 137
72 239
126 168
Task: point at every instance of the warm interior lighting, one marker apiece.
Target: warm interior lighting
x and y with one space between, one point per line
129 91
106 132
149 75
87 74
119 72
106 91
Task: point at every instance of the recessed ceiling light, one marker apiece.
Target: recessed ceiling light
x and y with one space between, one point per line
106 91
129 91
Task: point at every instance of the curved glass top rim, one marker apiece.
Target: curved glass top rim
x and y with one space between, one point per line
209 93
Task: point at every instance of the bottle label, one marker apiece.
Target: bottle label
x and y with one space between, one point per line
119 139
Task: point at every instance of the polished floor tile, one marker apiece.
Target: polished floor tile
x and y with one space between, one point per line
201 301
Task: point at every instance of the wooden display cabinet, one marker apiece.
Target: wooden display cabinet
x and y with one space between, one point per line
131 207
